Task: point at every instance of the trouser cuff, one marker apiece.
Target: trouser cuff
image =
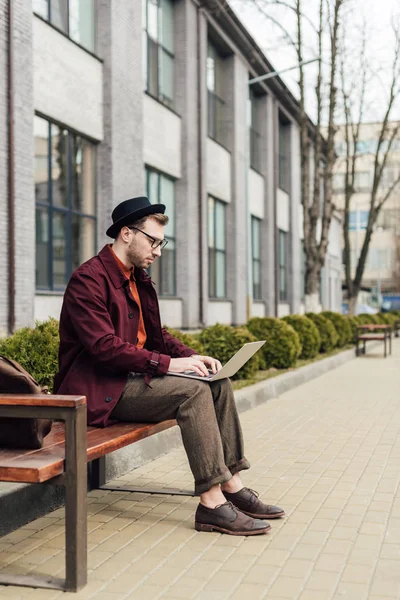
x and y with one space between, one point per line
205 484
239 466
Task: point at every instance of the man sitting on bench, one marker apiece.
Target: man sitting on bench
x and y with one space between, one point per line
114 350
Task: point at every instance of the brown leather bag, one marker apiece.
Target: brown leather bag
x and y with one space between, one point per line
27 433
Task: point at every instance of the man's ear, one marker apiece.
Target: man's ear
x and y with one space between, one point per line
124 234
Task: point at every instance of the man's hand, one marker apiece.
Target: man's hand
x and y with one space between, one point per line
198 364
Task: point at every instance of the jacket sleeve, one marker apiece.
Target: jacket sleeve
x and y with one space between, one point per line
176 348
92 323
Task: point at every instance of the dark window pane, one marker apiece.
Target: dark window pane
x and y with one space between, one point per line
166 77
167 197
83 182
220 226
42 248
256 280
211 226
59 14
41 135
220 271
83 244
152 74
59 249
167 269
41 7
211 273
82 23
59 165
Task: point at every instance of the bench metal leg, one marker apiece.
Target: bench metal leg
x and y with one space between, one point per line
76 506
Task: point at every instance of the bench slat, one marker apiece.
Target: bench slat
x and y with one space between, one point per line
38 466
41 400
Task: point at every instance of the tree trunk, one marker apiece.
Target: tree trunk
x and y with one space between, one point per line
313 283
353 303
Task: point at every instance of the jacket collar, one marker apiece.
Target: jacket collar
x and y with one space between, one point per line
117 277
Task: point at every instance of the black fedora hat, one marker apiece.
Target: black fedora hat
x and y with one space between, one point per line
132 210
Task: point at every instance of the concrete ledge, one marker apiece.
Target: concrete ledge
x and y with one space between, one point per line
20 504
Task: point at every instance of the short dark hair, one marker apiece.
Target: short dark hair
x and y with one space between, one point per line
159 217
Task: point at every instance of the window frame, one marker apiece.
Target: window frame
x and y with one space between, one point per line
282 265
67 211
256 257
255 134
160 50
215 102
47 19
148 172
214 252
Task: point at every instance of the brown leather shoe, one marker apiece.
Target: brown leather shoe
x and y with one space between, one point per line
247 501
225 518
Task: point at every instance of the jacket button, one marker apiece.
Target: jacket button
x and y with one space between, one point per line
130 315
108 399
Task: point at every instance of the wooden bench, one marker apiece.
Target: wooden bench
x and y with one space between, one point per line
396 327
374 332
63 461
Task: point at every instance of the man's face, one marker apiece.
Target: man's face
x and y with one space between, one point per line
139 251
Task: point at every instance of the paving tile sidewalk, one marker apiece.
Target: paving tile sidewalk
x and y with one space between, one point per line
327 451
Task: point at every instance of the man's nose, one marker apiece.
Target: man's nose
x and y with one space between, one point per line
157 251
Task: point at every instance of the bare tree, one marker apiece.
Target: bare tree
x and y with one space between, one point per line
354 100
301 32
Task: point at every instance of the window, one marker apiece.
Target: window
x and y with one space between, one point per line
65 194
256 256
161 190
361 181
282 256
216 103
75 18
158 32
255 135
358 220
284 154
216 248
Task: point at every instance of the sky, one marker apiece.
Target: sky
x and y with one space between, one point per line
377 15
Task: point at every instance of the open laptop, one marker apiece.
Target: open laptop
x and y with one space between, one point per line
231 367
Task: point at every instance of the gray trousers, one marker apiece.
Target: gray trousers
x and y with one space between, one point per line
206 414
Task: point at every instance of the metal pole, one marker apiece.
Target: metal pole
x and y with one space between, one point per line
277 73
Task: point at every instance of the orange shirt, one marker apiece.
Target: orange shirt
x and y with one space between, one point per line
128 272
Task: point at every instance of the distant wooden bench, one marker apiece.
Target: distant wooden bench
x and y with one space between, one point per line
373 332
396 327
63 461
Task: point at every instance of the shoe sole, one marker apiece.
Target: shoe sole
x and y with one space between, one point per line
210 528
257 516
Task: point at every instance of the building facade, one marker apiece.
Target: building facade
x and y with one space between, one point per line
382 272
102 101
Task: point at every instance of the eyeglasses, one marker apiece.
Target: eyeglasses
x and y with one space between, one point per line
155 243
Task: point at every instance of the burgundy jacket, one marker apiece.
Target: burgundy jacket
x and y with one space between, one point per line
98 335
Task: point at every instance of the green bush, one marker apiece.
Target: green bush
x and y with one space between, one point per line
223 341
341 325
310 339
36 349
367 318
189 339
387 318
282 347
327 332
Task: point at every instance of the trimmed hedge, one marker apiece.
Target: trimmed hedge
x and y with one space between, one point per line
282 347
36 349
223 341
354 323
327 332
341 325
189 339
310 339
